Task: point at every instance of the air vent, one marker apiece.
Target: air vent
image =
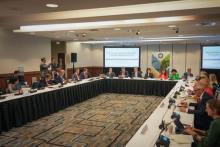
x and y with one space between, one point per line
93 30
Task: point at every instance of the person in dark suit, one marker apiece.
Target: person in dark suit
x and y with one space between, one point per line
148 73
110 73
201 120
46 81
136 73
84 74
59 78
76 76
188 74
123 73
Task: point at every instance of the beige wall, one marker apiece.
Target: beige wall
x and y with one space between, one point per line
18 50
183 56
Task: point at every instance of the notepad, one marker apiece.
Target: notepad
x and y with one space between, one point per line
182 139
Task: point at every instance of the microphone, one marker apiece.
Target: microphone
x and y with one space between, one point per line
171 102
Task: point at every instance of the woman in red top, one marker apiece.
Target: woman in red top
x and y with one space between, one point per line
163 74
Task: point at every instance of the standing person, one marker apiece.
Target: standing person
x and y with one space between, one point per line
76 76
148 73
60 63
84 74
43 67
136 73
110 73
174 75
163 74
53 66
123 73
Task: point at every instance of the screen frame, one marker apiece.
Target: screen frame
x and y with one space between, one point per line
201 63
139 62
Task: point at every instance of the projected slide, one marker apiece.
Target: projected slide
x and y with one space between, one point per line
121 57
211 57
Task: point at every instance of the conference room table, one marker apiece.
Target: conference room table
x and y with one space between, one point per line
149 132
17 110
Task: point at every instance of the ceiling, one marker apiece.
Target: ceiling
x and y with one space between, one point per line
202 27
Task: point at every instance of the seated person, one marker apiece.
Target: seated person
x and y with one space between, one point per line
76 76
148 73
174 75
84 74
188 74
136 73
14 85
213 82
110 73
123 73
46 81
59 78
201 118
211 137
163 74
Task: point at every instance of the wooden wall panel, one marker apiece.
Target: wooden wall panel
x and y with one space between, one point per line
27 76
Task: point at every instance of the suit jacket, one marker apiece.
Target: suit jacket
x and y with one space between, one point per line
202 120
150 75
84 75
59 79
186 75
76 77
126 74
111 75
138 74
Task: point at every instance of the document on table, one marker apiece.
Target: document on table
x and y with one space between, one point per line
182 139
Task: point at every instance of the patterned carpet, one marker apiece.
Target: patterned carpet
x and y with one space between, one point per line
106 120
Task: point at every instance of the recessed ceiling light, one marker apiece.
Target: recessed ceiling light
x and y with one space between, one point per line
117 29
172 26
72 31
52 5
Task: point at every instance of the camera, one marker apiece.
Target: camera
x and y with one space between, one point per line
171 102
138 33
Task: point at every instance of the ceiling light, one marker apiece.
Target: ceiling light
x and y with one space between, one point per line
71 31
52 5
172 26
117 29
101 24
